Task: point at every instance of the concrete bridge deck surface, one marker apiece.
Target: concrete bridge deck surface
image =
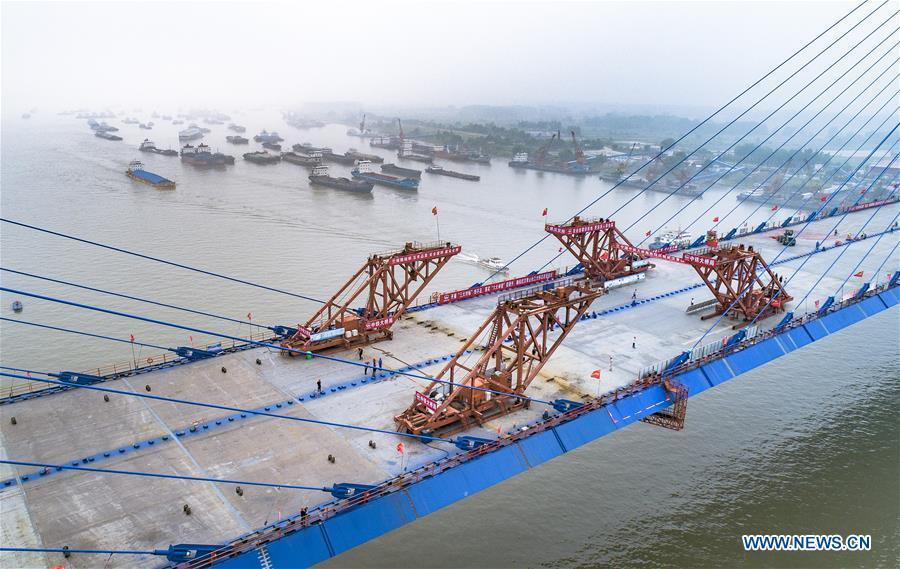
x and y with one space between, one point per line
100 511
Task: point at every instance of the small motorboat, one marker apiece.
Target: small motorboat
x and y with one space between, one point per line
489 263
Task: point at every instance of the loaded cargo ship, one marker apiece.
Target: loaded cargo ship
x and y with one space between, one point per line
262 157
307 148
357 155
190 133
311 160
441 171
136 172
521 161
266 136
339 158
148 146
320 177
204 157
363 171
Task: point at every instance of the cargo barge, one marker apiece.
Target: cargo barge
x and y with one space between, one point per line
320 177
204 157
237 128
363 171
136 172
190 133
395 170
521 161
237 139
307 148
331 156
265 136
310 160
148 146
106 136
262 157
271 145
441 171
357 155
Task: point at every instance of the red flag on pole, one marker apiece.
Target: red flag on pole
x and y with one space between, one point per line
716 218
859 274
774 208
249 316
595 374
545 212
823 198
817 304
648 234
132 338
400 448
498 430
434 210
191 340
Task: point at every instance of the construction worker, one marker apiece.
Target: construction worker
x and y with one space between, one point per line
359 351
318 386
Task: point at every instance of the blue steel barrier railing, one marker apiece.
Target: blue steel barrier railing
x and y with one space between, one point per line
331 509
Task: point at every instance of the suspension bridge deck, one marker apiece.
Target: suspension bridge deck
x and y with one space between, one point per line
97 511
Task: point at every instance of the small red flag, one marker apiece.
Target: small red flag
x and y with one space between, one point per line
434 210
132 337
648 234
817 304
498 430
545 212
859 274
249 316
862 191
716 218
823 198
191 340
560 250
595 374
400 448
774 208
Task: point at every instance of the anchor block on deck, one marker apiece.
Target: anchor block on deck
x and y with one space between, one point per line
595 243
385 285
741 281
522 333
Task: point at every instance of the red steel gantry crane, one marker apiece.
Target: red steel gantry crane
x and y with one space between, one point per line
594 242
739 278
525 319
388 283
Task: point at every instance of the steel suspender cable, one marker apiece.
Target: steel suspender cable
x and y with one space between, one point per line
162 475
224 407
264 344
157 259
714 114
742 293
782 145
136 298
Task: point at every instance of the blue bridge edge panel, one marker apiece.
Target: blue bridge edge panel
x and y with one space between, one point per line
354 527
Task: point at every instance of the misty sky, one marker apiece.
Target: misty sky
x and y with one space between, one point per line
72 54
